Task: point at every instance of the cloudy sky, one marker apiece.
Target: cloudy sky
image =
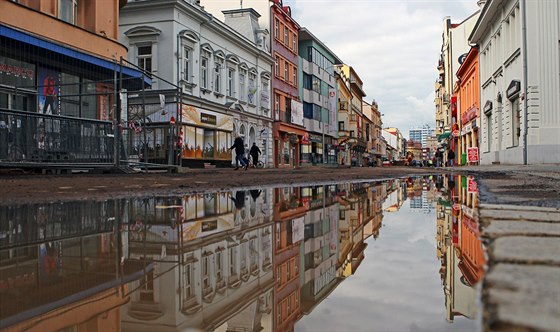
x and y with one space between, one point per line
392 44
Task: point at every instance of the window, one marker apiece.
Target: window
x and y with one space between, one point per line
242 85
144 57
204 72
218 65
187 64
276 28
294 42
252 88
68 10
286 38
277 64
286 70
231 82
265 93
341 126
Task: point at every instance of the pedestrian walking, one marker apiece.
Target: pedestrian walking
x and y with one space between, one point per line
450 157
254 152
239 147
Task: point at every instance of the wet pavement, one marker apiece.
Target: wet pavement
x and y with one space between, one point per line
520 221
389 255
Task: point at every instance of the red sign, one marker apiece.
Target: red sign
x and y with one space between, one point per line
455 133
471 186
172 120
472 155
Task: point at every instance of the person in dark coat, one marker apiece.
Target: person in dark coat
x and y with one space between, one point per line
450 157
239 200
254 152
239 147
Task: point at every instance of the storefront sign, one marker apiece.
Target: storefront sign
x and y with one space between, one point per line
17 73
488 107
513 89
208 119
198 116
472 155
469 114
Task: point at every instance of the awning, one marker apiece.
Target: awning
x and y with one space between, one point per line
73 54
443 136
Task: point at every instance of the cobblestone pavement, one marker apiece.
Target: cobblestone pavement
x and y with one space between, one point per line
519 212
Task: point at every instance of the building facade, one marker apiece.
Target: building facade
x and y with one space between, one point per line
520 80
454 49
215 81
468 92
317 91
59 64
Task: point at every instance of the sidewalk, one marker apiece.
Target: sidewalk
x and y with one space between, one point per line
519 213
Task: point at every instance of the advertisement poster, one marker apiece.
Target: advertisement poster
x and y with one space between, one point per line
297 112
49 88
50 261
298 228
17 73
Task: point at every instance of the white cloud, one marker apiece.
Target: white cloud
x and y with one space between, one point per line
392 44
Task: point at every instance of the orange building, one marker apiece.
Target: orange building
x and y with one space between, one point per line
59 64
469 108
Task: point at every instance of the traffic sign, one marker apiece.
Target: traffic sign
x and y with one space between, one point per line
172 120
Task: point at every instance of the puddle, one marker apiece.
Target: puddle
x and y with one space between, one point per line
389 256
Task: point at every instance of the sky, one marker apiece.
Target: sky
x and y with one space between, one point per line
393 45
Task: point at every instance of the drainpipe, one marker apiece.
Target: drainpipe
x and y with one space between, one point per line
525 83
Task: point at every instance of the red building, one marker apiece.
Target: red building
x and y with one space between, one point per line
288 129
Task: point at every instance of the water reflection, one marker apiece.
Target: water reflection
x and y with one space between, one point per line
271 259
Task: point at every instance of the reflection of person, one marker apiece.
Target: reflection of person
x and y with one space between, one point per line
255 151
239 199
239 147
255 193
49 93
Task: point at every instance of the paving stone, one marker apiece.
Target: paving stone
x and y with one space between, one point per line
523 295
517 207
526 249
547 216
498 228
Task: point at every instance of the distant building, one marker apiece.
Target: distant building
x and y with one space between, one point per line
420 134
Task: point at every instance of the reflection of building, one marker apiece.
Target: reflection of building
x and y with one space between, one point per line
59 267
213 267
459 247
289 213
319 251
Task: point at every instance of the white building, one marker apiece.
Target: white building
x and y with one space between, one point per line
224 75
520 81
421 134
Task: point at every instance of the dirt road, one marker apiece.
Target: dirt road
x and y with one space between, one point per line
24 188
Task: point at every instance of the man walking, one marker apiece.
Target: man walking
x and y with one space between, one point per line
450 157
254 152
239 147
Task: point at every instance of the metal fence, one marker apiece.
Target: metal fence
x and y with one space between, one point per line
45 138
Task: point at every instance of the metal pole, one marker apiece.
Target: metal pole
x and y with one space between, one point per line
145 136
525 83
115 118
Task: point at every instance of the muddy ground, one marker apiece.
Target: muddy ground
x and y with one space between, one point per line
26 188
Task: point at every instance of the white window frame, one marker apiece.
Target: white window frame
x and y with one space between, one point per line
142 58
231 81
252 87
217 72
243 96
